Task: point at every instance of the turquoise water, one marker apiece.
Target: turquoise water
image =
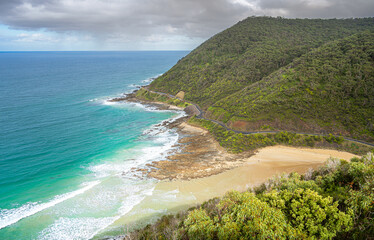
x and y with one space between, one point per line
67 154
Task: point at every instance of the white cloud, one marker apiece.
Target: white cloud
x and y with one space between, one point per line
34 37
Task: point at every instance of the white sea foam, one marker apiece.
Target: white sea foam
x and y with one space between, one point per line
132 88
161 140
134 85
87 227
128 204
142 106
158 142
149 108
164 140
149 80
109 103
155 144
134 105
102 101
11 216
74 228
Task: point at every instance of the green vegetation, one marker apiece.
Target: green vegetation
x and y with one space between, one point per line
249 51
238 142
309 212
335 201
329 89
143 94
300 75
304 75
240 215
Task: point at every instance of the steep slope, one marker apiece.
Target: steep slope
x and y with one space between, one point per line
329 89
248 52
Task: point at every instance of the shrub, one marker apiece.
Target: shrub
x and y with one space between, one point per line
199 225
241 216
247 217
310 213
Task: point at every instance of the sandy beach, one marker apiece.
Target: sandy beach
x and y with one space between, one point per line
266 163
178 194
201 170
200 156
204 169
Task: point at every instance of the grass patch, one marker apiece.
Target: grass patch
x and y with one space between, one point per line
146 95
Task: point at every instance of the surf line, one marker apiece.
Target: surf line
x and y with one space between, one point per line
11 216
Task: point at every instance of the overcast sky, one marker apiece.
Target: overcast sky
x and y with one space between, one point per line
146 24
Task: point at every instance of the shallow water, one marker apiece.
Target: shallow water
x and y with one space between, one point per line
66 153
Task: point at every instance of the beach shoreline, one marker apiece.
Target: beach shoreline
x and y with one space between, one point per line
171 196
265 164
199 169
197 154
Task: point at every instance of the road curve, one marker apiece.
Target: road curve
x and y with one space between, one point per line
201 116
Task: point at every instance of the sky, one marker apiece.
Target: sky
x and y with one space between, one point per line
84 25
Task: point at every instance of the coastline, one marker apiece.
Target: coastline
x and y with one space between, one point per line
170 196
200 169
198 155
268 162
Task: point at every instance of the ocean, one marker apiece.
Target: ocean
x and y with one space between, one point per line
67 155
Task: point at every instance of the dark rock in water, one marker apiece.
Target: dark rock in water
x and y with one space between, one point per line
119 99
126 97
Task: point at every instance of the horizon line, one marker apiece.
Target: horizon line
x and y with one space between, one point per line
94 50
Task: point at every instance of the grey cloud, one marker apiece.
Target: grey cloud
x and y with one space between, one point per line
193 18
133 19
320 8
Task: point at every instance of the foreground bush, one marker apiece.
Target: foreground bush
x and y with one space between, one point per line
241 215
334 202
310 213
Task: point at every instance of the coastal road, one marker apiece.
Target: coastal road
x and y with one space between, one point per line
202 113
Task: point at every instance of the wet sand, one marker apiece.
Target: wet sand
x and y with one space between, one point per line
201 170
170 197
199 155
266 163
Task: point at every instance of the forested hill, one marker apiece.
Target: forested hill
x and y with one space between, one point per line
249 51
215 74
328 90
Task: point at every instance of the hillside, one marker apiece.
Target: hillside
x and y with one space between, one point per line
249 51
329 89
287 77
303 75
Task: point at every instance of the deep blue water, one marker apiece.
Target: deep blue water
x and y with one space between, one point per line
61 139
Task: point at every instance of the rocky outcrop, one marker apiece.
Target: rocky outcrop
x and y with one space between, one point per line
192 110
